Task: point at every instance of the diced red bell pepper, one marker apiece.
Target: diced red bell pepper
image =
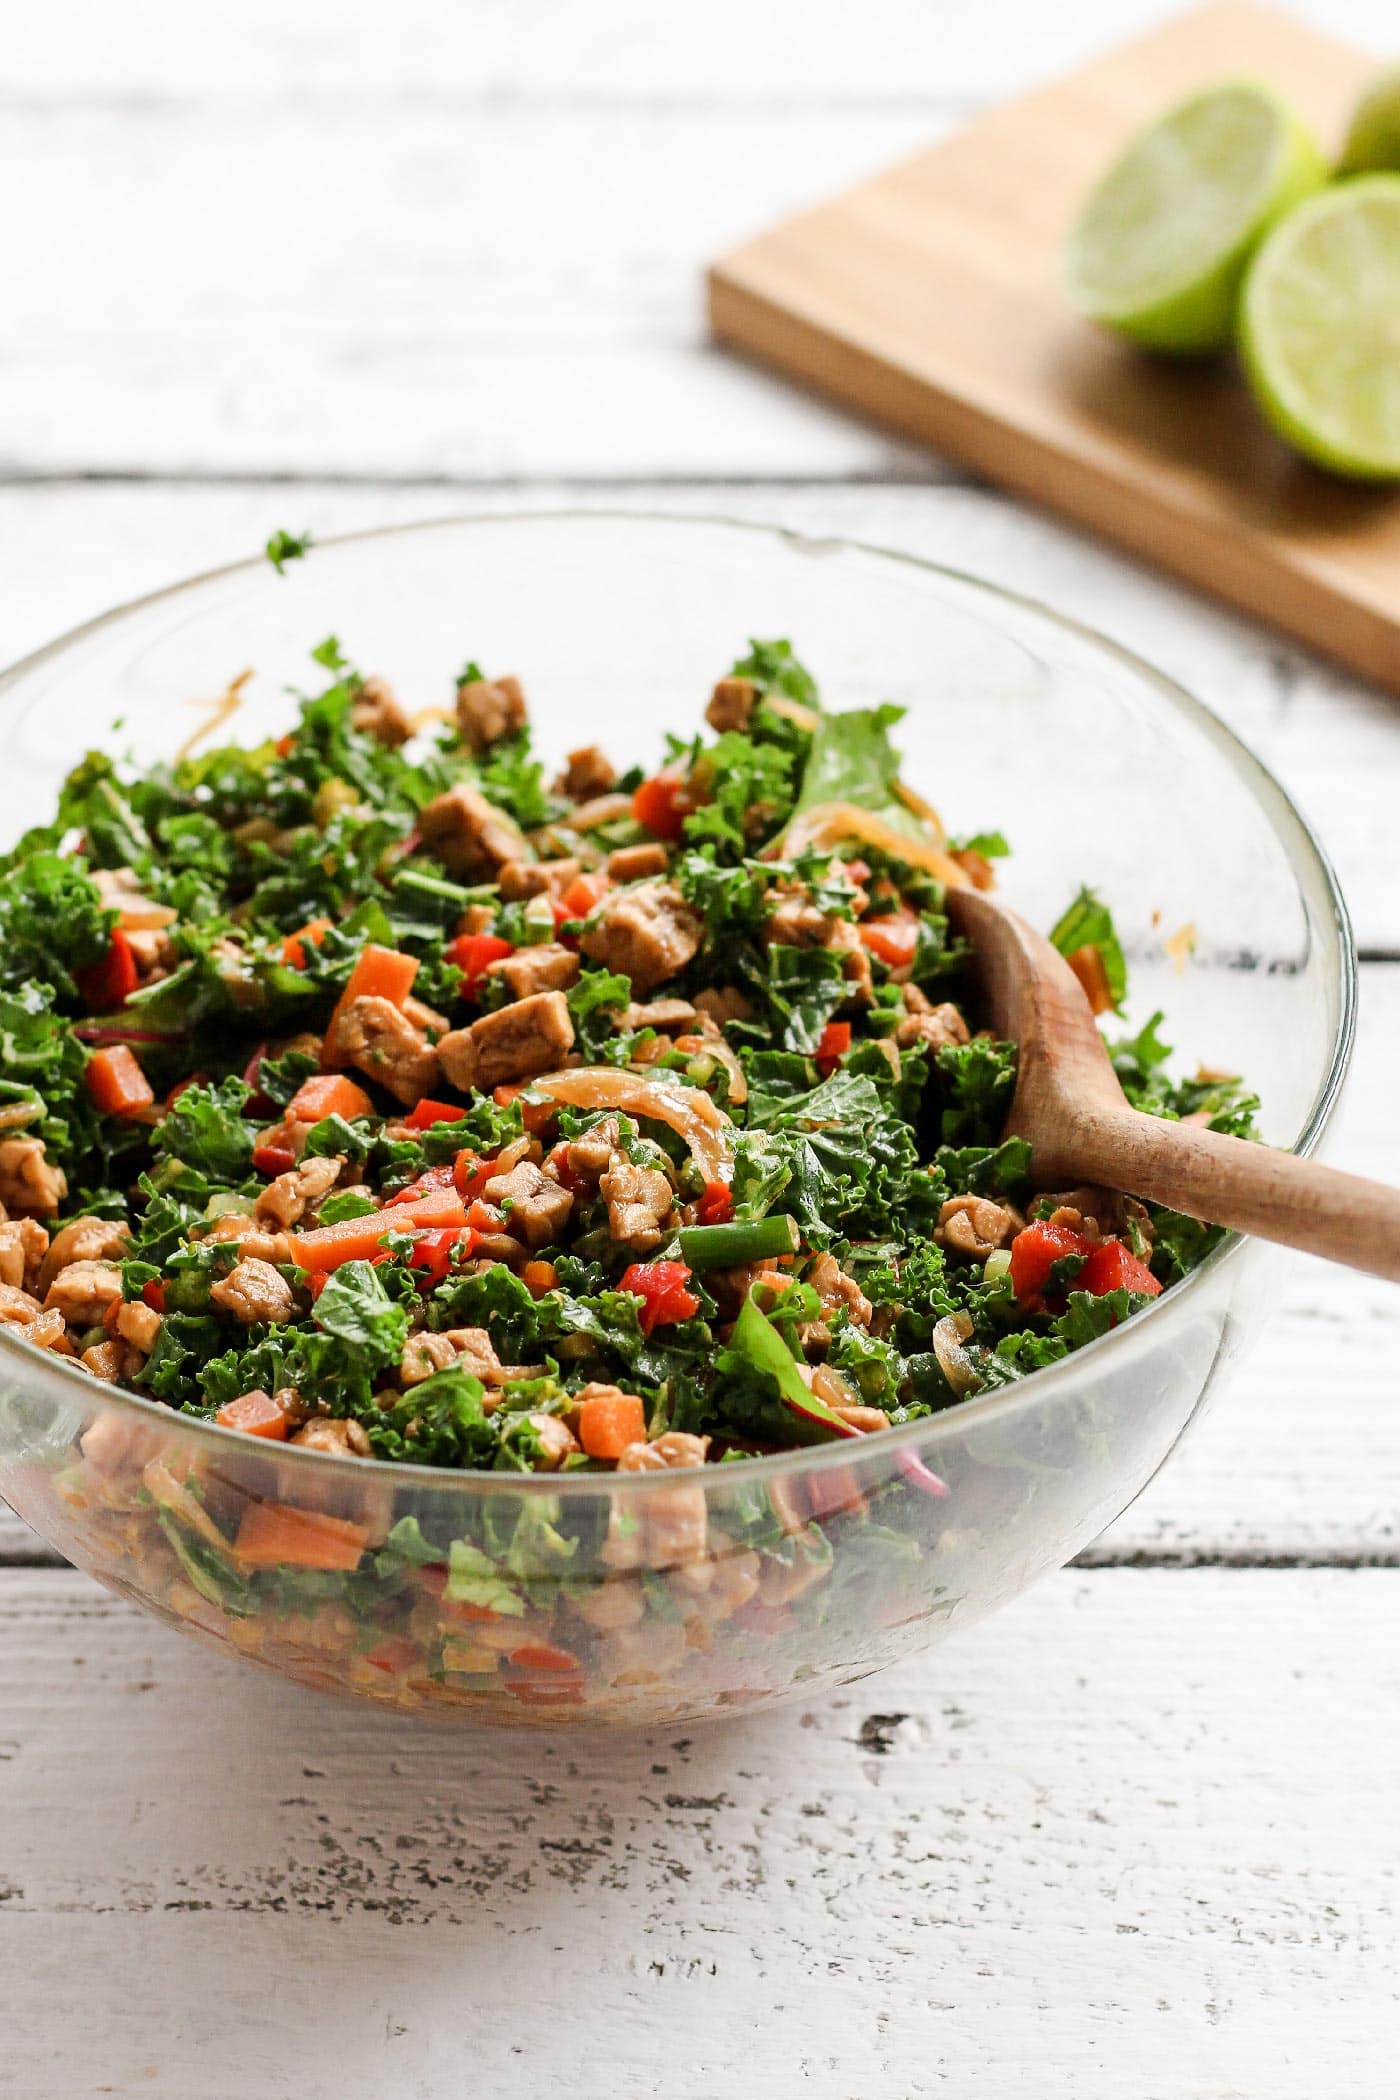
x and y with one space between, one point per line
1113 1267
473 953
661 1286
567 1177
470 1175
433 1252
1035 1252
892 938
153 1294
431 1178
835 1042
116 1082
716 1206
661 805
107 984
427 1112
272 1160
285 745
584 894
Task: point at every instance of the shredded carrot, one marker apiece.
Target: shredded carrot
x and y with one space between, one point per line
116 1082
609 1422
1088 966
379 973
329 1094
272 1535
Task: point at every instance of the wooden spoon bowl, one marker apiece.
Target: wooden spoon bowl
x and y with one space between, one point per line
1069 1105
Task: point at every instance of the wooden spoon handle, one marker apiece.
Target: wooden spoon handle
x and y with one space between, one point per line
1251 1188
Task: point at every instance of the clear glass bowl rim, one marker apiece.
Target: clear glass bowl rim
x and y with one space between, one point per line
1305 852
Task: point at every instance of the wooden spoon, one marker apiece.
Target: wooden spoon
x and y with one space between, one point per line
1069 1104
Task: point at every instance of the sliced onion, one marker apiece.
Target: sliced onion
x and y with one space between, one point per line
829 824
603 809
833 1386
953 1360
716 1047
689 1111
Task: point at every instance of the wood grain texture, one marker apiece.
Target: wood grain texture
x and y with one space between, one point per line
1097 1850
931 299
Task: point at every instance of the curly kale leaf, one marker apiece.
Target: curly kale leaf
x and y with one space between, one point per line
52 922
206 1128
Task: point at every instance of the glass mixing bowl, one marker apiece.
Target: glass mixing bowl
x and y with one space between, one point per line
819 1566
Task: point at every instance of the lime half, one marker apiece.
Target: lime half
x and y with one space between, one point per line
1320 328
1159 248
1373 142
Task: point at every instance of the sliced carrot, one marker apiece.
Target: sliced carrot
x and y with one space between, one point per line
294 947
609 1422
584 894
256 1414
329 1094
272 1535
1088 966
357 1239
116 1082
379 973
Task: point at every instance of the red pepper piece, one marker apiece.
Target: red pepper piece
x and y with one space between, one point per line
1113 1267
661 1286
472 952
108 984
835 1042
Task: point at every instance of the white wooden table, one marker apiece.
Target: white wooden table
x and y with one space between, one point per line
329 264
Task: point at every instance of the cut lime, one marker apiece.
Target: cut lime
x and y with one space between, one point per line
1160 247
1320 328
1373 142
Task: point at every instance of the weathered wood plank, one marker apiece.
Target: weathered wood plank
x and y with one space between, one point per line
1102 1832
548 50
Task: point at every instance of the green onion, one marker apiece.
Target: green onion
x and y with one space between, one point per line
438 886
725 1246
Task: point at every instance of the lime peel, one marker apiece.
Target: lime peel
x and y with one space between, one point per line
1320 328
1161 244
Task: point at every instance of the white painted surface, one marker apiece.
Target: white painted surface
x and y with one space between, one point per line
1133 1838
1129 1839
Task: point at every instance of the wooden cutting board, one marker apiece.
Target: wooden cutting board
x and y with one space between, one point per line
929 298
